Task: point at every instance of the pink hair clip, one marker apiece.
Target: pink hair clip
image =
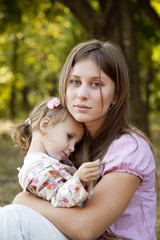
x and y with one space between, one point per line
54 102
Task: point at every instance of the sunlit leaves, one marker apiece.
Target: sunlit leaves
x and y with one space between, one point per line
149 55
156 5
46 33
5 75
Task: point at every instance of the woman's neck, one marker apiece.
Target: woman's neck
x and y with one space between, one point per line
92 129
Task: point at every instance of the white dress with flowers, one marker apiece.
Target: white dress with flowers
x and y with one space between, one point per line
52 180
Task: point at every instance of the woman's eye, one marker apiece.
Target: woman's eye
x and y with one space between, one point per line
96 84
75 82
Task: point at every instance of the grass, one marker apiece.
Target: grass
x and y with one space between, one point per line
11 158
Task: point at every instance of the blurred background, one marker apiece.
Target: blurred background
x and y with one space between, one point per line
35 39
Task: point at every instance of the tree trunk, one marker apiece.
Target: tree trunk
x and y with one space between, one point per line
25 104
128 43
13 83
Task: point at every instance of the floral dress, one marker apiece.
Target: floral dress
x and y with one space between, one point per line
52 180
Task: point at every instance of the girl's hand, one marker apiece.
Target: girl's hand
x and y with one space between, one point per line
89 171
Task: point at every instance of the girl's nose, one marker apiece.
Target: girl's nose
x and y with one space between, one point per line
71 148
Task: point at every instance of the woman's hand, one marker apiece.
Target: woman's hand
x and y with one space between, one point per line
23 198
33 202
110 198
89 171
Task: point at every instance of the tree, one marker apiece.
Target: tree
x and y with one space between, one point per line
114 20
35 59
32 52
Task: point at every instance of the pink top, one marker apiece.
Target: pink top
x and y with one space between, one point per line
134 156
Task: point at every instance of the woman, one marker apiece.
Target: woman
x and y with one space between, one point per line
94 87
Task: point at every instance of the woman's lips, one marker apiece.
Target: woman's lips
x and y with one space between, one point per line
81 106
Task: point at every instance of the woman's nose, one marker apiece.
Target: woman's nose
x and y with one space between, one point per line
82 92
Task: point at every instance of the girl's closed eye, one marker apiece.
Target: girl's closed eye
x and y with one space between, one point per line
69 136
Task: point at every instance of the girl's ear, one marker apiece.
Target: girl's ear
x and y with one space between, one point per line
44 124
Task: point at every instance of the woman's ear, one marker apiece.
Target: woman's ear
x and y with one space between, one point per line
44 124
114 100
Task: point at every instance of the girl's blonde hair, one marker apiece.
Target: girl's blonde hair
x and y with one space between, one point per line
22 135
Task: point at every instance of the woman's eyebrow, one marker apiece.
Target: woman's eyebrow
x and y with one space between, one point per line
98 78
72 75
92 77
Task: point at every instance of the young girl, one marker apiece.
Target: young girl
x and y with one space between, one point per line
48 137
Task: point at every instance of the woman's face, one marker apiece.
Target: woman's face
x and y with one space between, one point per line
89 94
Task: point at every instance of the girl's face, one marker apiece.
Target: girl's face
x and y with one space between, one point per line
89 94
59 140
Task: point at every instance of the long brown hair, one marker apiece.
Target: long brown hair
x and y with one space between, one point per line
111 61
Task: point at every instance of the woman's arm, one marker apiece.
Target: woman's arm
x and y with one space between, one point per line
110 198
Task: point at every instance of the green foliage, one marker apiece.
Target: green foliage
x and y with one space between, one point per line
149 55
36 37
33 52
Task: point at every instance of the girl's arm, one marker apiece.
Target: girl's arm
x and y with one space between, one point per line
110 198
